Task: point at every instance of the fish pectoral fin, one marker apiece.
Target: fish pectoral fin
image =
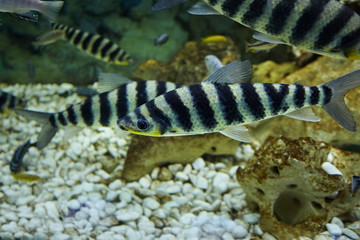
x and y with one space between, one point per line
110 81
238 132
71 131
235 72
164 4
202 9
305 114
266 38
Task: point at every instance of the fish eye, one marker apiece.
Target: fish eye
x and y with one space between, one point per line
142 124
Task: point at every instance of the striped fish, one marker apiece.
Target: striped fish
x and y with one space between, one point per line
93 44
325 27
8 102
101 110
220 105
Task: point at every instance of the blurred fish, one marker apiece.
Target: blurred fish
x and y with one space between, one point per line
17 159
81 91
355 183
26 177
31 70
325 27
128 4
161 40
93 44
259 46
214 39
8 102
23 7
225 103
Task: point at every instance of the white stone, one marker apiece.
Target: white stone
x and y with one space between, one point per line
182 176
155 173
333 229
11 227
94 197
129 214
338 222
11 216
151 203
221 182
239 232
80 215
252 218
167 236
198 181
144 182
111 196
115 185
351 234
233 170
76 147
204 205
212 229
173 189
73 204
258 231
55 227
198 164
51 210
330 169
187 218
192 233
227 236
268 236
126 196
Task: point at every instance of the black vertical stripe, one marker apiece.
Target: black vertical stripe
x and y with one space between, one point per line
86 112
253 101
113 54
276 97
202 106
12 101
160 88
158 116
78 37
122 105
327 94
141 94
329 32
3 98
228 105
52 120
307 20
314 95
299 95
350 39
86 42
121 57
71 115
279 16
96 45
62 119
182 113
256 9
105 109
213 2
106 48
69 33
231 7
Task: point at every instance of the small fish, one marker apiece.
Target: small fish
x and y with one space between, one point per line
92 44
259 46
31 70
214 39
8 102
17 159
161 40
325 27
26 177
355 183
22 7
226 101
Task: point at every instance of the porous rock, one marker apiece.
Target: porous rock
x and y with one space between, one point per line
292 192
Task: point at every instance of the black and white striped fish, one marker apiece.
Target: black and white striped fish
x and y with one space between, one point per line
325 27
102 110
220 105
93 44
8 102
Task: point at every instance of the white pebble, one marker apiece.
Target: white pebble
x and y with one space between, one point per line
182 176
117 184
198 181
192 233
333 229
11 227
60 236
11 216
330 169
252 218
73 204
221 182
80 215
268 236
111 196
227 236
198 164
51 210
239 232
187 218
94 197
151 203
129 214
55 226
144 182
173 189
351 234
338 222
76 147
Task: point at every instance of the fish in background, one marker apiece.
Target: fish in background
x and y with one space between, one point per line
49 9
214 39
9 102
92 44
325 27
161 40
259 46
225 102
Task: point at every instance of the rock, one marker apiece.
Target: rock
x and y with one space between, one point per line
294 195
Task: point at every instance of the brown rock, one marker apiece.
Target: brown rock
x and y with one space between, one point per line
294 195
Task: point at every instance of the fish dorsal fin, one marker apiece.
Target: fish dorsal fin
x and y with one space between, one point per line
202 9
164 4
237 132
212 64
266 38
110 81
235 72
305 114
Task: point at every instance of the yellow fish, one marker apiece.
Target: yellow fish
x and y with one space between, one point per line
214 39
26 177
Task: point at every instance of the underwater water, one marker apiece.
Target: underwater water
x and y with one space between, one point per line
69 89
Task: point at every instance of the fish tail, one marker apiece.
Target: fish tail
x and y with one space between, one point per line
48 130
334 93
50 9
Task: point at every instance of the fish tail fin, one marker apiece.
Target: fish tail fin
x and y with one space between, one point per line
47 132
336 107
51 9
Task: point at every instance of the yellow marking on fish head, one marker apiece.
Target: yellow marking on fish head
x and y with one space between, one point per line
214 39
155 133
352 54
26 177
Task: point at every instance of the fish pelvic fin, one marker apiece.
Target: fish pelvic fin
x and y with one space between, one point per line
50 9
336 107
47 132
